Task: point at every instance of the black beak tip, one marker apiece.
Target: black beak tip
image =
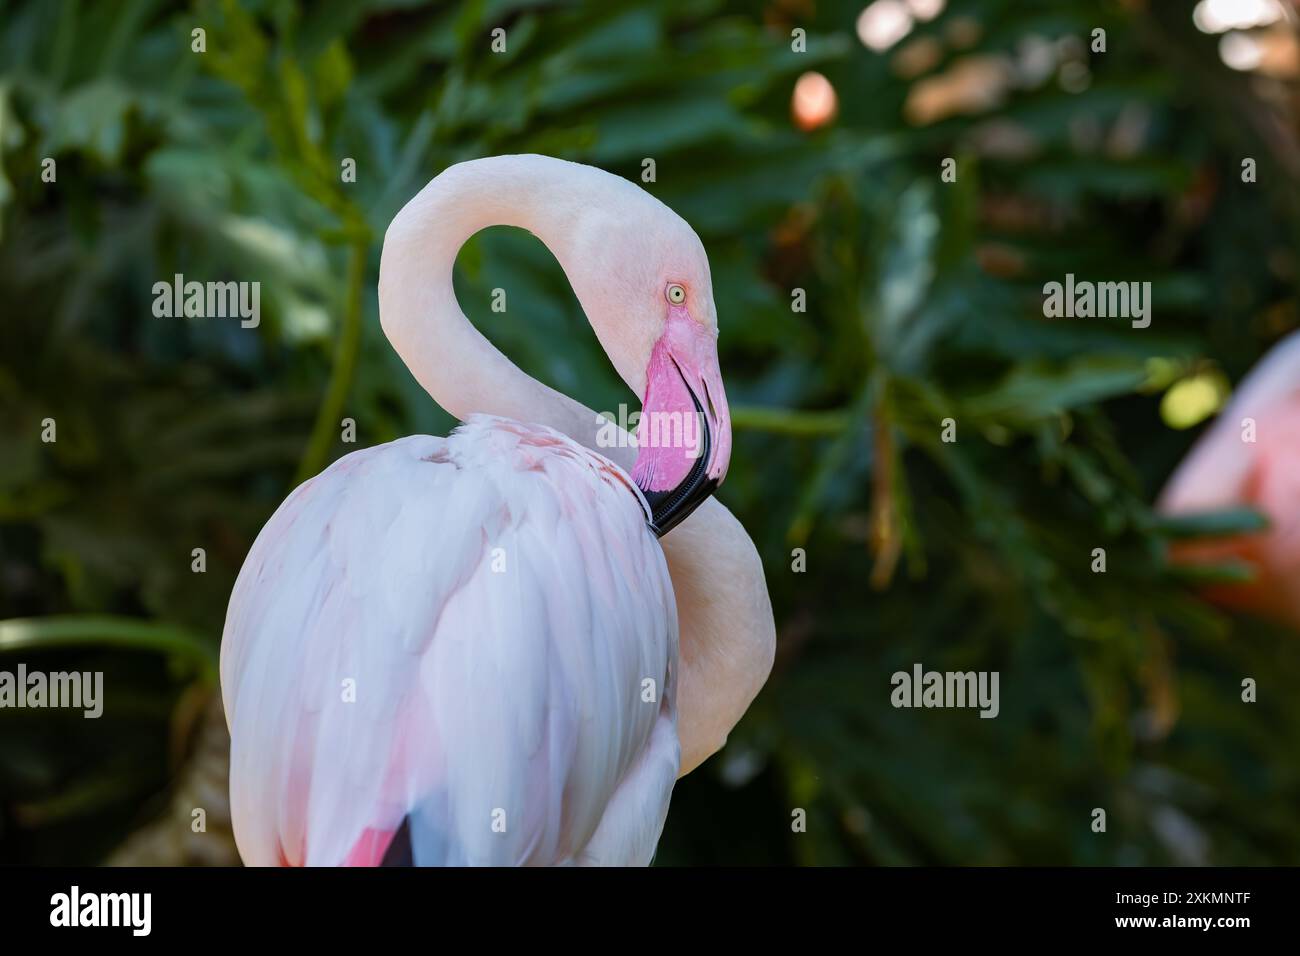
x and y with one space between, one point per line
668 509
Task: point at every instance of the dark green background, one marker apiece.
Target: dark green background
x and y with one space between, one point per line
1118 690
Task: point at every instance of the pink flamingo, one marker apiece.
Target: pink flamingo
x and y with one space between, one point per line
1251 456
466 650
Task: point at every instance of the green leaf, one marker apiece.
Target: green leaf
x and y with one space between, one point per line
1210 524
81 630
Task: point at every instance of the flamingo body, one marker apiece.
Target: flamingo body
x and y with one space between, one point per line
473 636
466 651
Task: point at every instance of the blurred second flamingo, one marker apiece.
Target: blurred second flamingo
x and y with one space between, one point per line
1250 457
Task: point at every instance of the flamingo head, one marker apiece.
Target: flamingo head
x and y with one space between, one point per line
684 433
646 288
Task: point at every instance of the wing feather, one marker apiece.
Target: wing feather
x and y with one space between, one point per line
454 633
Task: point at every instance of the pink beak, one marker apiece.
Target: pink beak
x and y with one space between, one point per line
684 436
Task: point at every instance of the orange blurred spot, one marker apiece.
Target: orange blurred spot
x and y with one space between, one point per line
814 102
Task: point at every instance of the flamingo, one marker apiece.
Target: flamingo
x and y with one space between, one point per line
1251 456
503 647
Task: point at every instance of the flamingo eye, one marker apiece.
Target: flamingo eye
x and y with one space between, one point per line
676 294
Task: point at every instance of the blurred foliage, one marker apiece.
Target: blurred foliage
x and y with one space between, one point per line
1119 690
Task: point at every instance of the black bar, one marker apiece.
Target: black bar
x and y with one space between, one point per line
212 906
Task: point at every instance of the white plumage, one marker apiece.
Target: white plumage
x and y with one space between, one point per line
477 632
465 651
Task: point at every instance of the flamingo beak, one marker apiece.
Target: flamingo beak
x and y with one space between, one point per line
684 435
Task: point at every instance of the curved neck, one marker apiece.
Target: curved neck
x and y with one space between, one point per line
726 630
728 636
449 357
